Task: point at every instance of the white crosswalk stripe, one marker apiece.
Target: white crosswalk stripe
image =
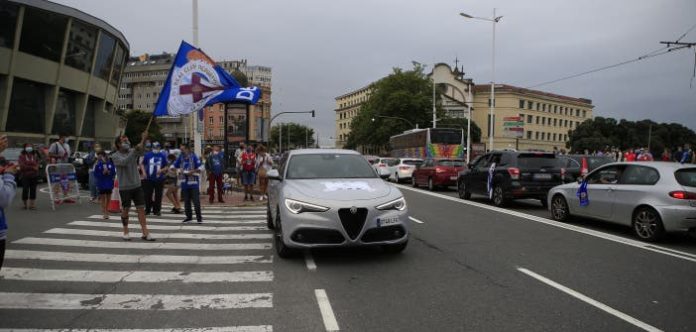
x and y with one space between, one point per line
206 216
133 259
160 236
192 226
10 273
260 220
137 244
254 328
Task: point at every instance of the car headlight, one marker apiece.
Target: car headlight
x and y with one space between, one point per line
397 204
299 207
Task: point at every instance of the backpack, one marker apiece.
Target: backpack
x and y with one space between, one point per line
248 162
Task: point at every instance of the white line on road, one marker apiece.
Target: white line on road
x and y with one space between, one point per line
133 259
250 328
190 236
309 261
214 222
416 220
61 301
590 301
327 313
205 216
136 243
28 274
181 227
650 247
225 208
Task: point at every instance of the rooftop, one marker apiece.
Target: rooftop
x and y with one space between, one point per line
514 89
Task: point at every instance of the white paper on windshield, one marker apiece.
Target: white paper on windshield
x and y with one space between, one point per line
347 185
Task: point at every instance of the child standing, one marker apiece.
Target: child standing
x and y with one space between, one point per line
104 173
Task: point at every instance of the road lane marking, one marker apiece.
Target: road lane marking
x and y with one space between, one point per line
327 313
590 301
62 301
309 261
214 222
249 328
225 208
190 236
30 274
181 227
634 243
416 220
138 244
134 259
205 216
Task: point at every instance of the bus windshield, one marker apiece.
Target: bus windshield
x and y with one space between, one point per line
445 136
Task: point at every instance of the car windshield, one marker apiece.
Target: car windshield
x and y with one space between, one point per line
537 160
413 162
686 177
329 166
11 154
450 163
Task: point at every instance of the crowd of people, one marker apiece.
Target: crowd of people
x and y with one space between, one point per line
682 154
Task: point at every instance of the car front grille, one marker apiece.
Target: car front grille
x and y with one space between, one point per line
353 222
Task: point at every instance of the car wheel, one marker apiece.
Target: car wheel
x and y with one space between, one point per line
269 216
559 209
413 182
281 249
498 196
462 190
647 224
431 187
394 248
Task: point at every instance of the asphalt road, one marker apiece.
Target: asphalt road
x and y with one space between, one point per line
468 267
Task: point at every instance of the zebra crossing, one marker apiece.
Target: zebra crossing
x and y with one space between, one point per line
218 268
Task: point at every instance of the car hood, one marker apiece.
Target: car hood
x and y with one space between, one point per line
337 189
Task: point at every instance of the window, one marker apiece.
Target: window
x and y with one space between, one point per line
543 121
88 126
555 122
686 177
119 59
222 119
210 120
105 56
538 107
554 136
81 44
555 108
543 136
8 22
43 33
536 135
64 118
565 123
27 107
537 120
529 134
327 166
529 118
605 175
584 113
530 105
577 112
521 103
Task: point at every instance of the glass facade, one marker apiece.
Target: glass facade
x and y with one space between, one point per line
8 23
43 33
64 120
119 59
83 39
27 107
105 56
88 124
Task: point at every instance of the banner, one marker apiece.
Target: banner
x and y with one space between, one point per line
582 194
195 81
62 183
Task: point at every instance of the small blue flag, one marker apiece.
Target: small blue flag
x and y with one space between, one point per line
195 81
489 183
582 194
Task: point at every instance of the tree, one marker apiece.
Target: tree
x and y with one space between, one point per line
136 123
296 134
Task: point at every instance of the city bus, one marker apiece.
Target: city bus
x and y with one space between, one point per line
429 143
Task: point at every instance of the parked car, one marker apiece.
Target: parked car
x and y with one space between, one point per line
572 164
402 169
515 175
381 166
651 197
437 173
333 198
371 159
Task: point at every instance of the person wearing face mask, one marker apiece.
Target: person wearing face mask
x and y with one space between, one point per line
248 172
189 168
29 173
126 161
154 163
214 166
90 161
104 173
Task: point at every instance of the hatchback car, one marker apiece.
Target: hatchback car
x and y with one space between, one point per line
333 198
401 169
437 173
507 175
650 197
381 166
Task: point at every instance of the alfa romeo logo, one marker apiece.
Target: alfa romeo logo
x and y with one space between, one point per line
353 210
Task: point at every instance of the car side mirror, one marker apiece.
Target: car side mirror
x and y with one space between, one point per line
274 175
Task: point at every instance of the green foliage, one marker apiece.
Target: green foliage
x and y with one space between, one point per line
296 133
137 121
598 133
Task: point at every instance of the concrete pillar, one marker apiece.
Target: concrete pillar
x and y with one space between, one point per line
6 88
53 102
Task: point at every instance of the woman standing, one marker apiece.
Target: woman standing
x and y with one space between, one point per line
248 173
104 174
170 181
264 164
29 173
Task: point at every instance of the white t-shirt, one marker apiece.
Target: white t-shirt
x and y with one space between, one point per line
62 150
264 161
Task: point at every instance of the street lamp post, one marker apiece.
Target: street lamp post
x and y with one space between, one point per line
491 122
397 118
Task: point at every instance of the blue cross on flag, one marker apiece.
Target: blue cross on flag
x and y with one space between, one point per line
195 81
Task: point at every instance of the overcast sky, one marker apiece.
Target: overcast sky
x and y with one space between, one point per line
321 49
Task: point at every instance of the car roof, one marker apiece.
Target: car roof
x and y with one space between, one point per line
660 165
322 151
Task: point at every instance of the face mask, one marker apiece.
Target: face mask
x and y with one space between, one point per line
29 149
125 146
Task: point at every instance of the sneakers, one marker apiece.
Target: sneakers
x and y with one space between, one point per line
187 220
148 238
125 237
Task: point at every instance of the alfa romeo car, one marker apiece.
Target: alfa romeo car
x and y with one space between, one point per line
333 198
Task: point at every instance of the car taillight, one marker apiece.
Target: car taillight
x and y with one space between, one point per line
682 195
404 168
514 173
440 170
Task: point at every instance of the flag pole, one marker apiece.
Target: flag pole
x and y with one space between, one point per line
147 129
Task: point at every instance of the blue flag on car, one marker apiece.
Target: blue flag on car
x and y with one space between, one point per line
489 183
582 194
195 81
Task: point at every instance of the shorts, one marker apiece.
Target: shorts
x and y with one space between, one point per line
105 191
248 178
136 195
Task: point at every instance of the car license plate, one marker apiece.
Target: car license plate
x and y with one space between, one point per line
387 221
453 178
542 176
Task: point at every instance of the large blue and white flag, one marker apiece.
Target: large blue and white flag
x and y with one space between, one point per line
195 81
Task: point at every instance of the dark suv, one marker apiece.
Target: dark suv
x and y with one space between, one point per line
516 175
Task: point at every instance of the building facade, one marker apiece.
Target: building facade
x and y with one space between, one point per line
547 118
60 71
347 107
